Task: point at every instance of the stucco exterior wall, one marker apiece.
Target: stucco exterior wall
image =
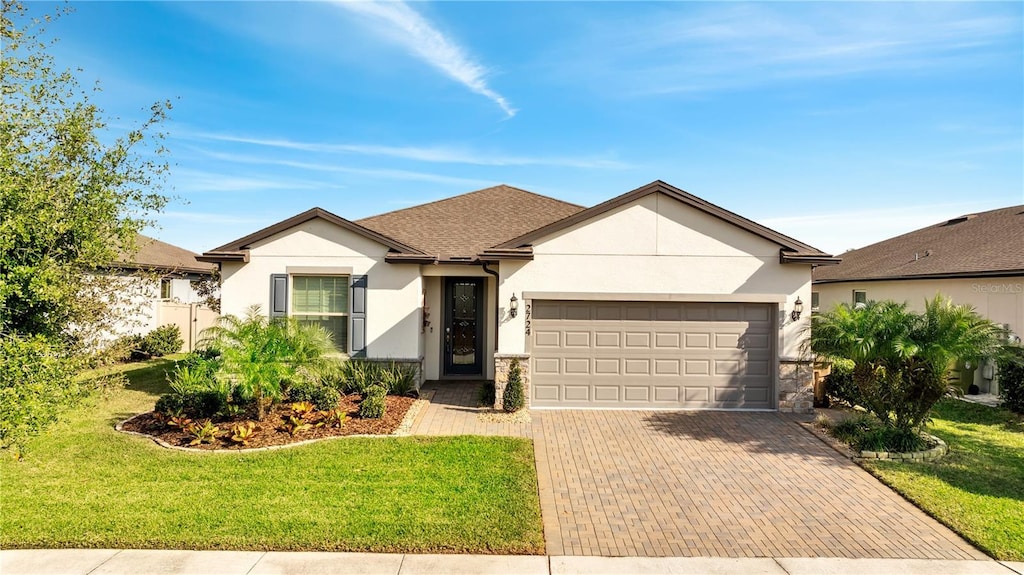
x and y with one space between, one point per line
393 313
657 246
999 299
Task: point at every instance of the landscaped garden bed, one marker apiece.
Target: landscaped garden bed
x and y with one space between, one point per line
82 484
283 424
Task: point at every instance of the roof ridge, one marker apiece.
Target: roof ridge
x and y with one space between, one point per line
449 198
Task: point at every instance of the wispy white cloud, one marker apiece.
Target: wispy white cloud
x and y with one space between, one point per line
208 218
435 154
202 181
681 49
409 28
391 174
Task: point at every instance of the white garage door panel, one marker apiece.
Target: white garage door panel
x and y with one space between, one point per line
637 354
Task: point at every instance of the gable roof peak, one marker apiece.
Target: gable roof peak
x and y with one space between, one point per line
242 244
786 243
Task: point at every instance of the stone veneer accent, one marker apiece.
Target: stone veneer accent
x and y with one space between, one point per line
501 364
415 363
796 386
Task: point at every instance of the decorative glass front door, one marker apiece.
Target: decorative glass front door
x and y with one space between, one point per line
463 332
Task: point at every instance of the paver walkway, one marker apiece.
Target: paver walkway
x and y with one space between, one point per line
454 410
701 484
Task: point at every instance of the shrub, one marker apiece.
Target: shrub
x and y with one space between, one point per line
37 384
513 399
901 359
839 386
374 403
486 393
120 350
320 395
163 340
356 375
399 379
204 403
851 428
259 355
170 404
866 433
1011 378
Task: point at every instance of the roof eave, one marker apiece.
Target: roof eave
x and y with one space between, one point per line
813 259
493 255
405 258
933 276
216 257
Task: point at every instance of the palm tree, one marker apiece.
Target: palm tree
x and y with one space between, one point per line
902 359
259 355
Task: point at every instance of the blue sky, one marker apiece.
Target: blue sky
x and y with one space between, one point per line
840 124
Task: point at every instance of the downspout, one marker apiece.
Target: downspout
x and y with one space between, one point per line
497 312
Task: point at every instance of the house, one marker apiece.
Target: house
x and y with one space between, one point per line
653 299
975 259
158 286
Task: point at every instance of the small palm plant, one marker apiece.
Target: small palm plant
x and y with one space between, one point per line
901 359
260 355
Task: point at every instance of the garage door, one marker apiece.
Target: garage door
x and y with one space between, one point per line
651 355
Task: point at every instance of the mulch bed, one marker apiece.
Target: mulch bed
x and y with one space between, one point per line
271 430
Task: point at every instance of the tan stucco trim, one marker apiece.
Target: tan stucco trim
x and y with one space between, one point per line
318 270
673 297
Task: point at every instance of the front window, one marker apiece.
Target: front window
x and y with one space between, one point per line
860 296
323 301
814 301
165 289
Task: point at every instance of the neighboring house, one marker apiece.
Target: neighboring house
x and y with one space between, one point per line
653 299
975 259
158 287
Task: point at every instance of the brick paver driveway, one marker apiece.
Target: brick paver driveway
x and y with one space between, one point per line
718 484
700 483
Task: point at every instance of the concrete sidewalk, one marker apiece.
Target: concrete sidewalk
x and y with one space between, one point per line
140 562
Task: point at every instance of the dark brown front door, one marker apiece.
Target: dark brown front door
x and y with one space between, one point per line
464 326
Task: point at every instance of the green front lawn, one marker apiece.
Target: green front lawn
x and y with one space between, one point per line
978 489
82 484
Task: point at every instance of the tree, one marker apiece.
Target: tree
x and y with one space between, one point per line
259 355
900 359
512 399
73 198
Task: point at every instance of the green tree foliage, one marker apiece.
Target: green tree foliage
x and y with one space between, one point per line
73 195
1011 377
902 359
513 398
260 356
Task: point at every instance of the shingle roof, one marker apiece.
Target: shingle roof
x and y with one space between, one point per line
157 255
986 243
467 224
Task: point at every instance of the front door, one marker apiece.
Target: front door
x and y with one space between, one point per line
464 326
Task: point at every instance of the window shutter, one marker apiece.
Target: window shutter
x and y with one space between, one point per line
357 337
278 295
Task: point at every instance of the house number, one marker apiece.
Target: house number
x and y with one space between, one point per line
528 319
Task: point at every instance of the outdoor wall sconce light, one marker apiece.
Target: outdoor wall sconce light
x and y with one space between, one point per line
513 306
798 308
